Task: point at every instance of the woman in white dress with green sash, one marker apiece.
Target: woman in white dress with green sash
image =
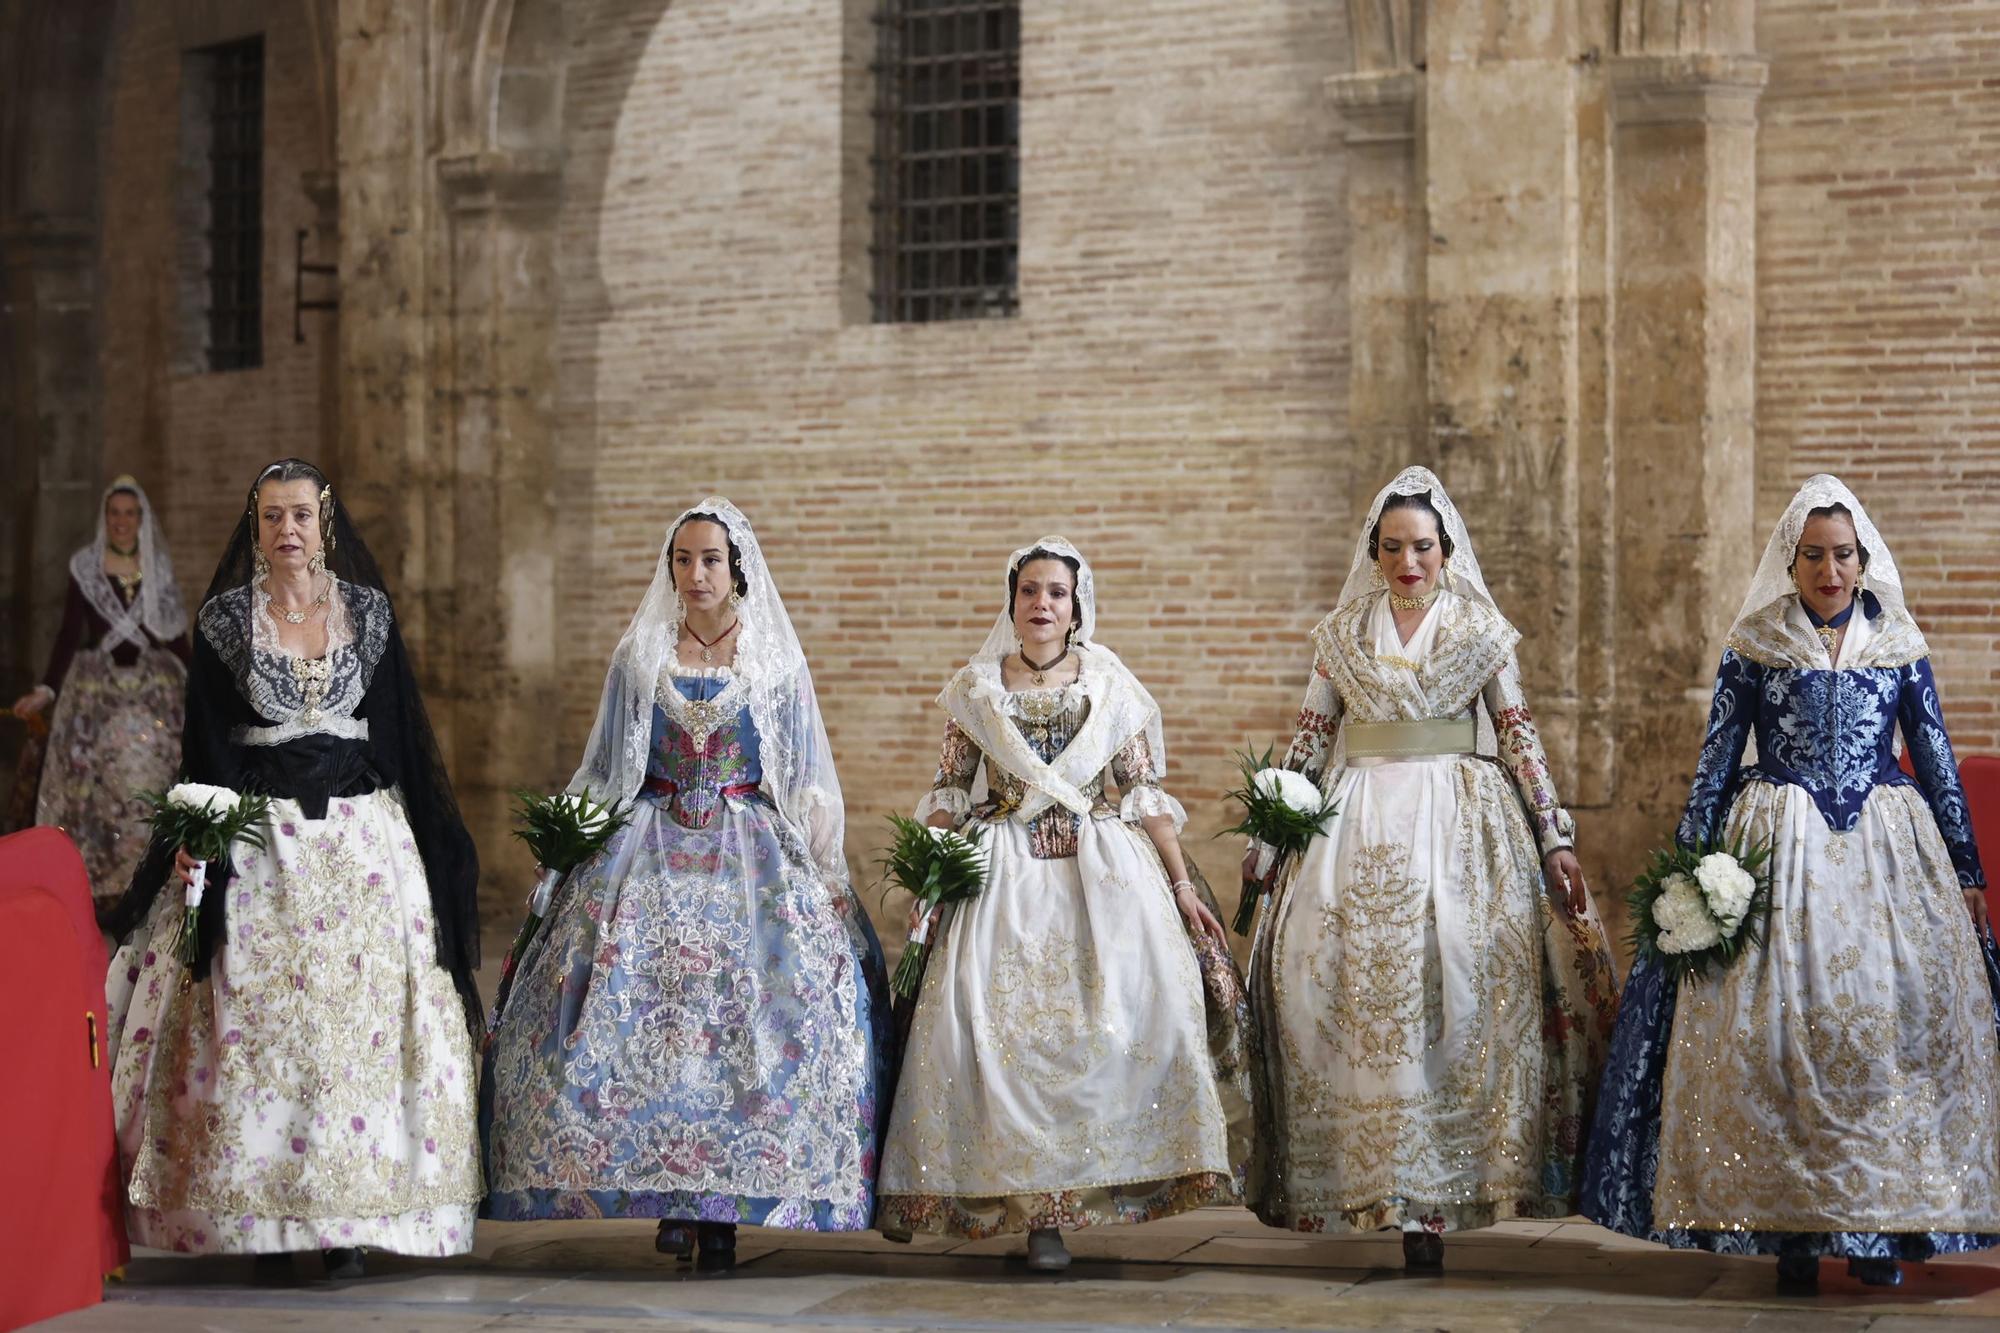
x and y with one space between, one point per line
1429 978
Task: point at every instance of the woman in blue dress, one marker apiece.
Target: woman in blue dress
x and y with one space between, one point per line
699 1032
1834 1092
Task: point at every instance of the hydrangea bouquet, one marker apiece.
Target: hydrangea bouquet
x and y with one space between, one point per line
938 866
1283 810
1697 906
205 822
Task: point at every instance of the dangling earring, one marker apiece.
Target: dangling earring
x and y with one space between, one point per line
326 523
735 598
680 608
1378 578
317 565
262 564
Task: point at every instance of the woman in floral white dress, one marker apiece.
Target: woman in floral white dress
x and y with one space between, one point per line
1430 980
1076 1057
309 1082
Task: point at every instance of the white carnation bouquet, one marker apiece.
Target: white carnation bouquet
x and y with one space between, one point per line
1702 905
1283 810
205 821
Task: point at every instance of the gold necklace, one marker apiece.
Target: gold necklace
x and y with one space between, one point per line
299 617
1402 603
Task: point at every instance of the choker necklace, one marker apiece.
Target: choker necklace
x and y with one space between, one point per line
1038 668
1829 630
708 644
1402 603
128 554
299 617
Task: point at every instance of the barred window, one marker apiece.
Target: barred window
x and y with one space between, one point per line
231 93
947 160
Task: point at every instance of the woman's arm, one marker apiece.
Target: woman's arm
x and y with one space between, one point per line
1145 803
1521 753
1921 717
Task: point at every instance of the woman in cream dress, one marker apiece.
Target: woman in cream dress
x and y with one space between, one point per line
1076 1054
1834 1092
1430 981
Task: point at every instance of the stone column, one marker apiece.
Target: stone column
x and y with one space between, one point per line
383 467
495 418
1684 386
1387 404
54 452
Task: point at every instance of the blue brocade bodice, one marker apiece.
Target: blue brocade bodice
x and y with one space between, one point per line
1830 733
691 773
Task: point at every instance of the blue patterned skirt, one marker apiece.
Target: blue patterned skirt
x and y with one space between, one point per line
700 1031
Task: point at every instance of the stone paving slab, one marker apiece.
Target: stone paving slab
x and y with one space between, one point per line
1214 1270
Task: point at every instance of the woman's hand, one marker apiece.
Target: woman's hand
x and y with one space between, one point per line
184 867
1566 884
1975 903
917 914
1195 912
31 703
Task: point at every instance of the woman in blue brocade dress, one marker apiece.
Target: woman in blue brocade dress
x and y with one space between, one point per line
1835 1092
699 1032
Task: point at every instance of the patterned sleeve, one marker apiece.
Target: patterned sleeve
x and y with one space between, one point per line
951 789
1922 719
1522 753
1133 769
1319 719
1730 718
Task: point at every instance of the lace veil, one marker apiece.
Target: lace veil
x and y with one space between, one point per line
1120 706
159 609
1762 629
769 676
1463 578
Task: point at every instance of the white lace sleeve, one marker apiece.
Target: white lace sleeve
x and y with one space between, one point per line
951 789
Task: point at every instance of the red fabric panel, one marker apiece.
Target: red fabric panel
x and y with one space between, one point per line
1980 774
63 1224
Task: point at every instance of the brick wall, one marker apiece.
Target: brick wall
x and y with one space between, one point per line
1172 396
1878 341
193 438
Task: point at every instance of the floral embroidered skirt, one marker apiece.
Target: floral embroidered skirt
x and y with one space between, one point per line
1063 1069
700 1030
317 1089
115 732
1833 1092
1432 1026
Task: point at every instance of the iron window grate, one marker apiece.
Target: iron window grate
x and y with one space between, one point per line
947 160
236 205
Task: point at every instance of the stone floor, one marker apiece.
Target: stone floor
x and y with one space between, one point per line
1215 1269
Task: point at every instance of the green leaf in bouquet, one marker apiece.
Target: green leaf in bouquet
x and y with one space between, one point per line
567 829
1269 819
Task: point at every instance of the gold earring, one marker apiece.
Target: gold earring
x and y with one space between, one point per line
317 564
261 563
735 598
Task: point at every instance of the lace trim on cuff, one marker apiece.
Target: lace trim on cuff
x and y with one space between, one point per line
1145 801
954 801
1554 829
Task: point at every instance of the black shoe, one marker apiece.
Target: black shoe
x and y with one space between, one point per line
675 1238
1798 1272
718 1247
344 1264
1423 1250
1876 1272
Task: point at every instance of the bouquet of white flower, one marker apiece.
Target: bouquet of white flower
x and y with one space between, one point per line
204 821
938 866
1283 810
1694 906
